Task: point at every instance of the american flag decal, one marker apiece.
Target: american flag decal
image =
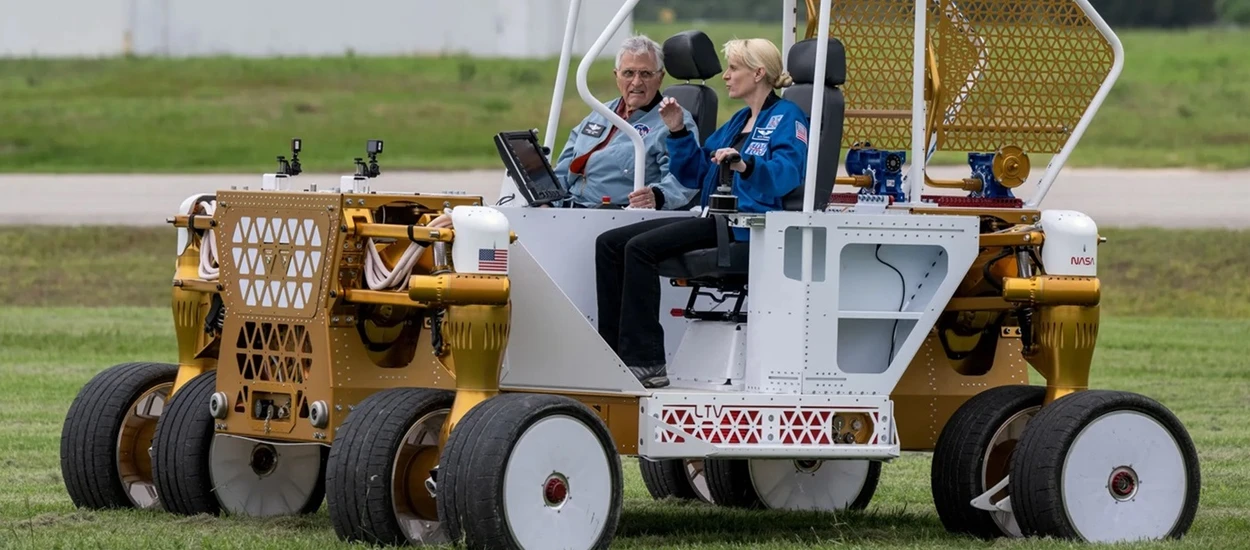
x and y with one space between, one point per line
800 131
492 259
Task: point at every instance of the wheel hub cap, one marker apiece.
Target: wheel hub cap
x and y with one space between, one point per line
264 460
1123 483
555 490
807 466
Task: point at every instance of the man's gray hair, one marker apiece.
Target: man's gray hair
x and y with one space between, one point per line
639 45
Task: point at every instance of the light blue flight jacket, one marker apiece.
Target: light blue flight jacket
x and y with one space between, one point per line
610 170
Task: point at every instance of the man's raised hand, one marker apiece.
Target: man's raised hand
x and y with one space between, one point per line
671 113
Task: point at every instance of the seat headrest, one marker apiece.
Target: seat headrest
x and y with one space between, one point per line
802 65
690 55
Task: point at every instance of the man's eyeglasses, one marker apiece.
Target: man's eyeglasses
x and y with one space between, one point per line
629 74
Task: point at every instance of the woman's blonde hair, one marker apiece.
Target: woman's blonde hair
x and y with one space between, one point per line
755 53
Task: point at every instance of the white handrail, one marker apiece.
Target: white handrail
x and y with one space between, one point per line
562 76
818 110
789 19
916 177
599 107
1056 163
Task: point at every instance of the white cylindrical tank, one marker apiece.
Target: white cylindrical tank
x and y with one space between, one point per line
1071 246
482 238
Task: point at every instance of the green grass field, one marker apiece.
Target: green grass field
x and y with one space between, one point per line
1183 100
1174 328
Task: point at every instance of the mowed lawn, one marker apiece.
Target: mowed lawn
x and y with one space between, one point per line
1176 320
1183 100
1195 367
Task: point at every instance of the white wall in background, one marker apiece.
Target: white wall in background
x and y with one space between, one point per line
263 28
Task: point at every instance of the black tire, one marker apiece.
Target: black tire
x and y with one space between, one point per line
729 482
474 463
960 453
90 436
183 438
360 470
1037 469
667 478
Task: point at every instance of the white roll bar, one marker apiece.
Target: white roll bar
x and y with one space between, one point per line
562 74
818 109
599 107
1056 163
915 179
789 18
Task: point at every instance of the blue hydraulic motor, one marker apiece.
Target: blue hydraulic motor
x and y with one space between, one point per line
884 167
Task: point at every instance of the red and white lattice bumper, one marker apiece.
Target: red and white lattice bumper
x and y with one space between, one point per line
690 425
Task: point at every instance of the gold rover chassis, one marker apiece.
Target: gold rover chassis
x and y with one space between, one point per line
304 341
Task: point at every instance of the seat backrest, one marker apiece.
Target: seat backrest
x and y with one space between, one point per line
690 55
802 67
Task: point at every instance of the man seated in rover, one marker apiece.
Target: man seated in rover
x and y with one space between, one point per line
598 159
768 136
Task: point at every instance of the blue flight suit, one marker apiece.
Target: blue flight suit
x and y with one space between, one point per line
775 153
610 170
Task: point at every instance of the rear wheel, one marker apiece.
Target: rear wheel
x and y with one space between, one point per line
1105 466
973 455
105 441
530 471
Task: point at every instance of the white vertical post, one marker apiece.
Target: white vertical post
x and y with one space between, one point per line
562 75
818 109
597 106
916 177
789 19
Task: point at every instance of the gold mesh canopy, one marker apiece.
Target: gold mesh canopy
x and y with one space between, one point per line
1009 72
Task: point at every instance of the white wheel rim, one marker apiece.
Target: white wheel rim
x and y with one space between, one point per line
422 437
262 479
557 486
134 439
697 479
824 485
1140 454
1010 431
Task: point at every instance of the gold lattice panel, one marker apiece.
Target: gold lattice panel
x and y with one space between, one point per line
274 352
275 249
1012 72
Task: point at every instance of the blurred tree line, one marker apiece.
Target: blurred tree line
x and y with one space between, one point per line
1118 13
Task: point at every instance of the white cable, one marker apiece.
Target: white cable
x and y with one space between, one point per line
209 268
378 277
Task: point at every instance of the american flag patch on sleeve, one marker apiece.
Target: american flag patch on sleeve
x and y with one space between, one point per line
492 259
800 131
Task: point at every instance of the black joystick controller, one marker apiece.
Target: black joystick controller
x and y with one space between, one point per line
723 201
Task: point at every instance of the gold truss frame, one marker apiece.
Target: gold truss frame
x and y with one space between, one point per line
1019 72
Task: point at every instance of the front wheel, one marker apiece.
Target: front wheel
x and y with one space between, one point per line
530 471
1105 466
680 478
107 433
382 456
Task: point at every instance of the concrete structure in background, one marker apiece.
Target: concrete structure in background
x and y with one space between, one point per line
248 28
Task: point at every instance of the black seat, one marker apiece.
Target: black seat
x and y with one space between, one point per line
690 55
802 68
703 265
